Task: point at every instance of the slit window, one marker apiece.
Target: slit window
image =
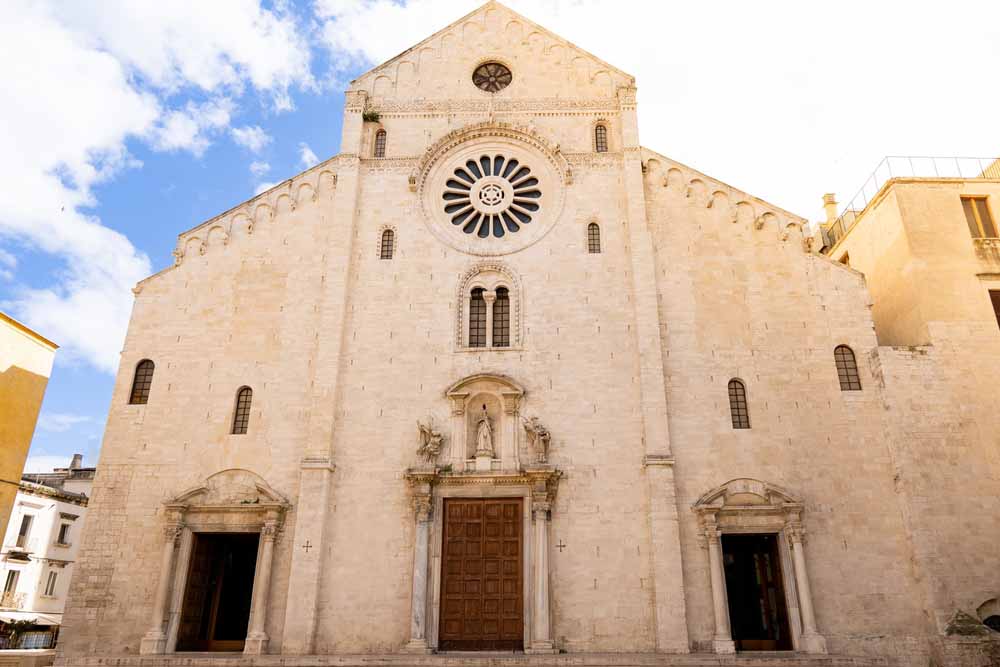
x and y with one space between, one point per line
388 241
50 584
977 214
241 416
141 383
24 531
593 239
501 318
738 404
63 538
847 369
379 144
477 319
601 139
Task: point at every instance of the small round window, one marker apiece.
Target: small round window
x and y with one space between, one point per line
492 77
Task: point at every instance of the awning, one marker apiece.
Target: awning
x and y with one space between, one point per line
39 619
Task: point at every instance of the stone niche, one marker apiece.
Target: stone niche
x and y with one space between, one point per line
485 424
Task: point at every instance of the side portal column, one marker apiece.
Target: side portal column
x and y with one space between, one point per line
723 639
155 639
812 641
257 639
541 640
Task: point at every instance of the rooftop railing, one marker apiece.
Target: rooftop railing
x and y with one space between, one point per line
897 166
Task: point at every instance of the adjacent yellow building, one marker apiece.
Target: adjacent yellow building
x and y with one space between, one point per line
25 364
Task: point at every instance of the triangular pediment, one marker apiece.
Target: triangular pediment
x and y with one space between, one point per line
541 61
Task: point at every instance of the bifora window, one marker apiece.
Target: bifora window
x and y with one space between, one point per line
492 77
593 238
501 318
241 415
493 196
142 381
477 318
738 404
977 214
847 368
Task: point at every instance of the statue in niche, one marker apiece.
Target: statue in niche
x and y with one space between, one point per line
431 441
484 435
538 438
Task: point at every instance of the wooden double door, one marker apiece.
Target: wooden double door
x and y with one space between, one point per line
757 611
219 592
482 601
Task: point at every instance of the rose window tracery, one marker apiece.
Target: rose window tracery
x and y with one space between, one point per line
493 196
492 77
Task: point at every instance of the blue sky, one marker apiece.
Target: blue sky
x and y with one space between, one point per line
137 121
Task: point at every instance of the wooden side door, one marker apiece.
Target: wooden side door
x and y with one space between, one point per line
757 610
482 606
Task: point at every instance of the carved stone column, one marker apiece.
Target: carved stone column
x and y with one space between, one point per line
812 641
421 549
511 428
155 639
490 297
458 430
722 641
257 639
541 640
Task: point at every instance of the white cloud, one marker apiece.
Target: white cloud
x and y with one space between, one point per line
104 78
785 99
307 158
263 187
46 462
58 422
253 138
258 169
189 128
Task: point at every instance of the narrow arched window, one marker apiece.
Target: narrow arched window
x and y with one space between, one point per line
847 369
379 144
141 382
477 319
241 415
501 318
601 139
593 238
738 404
388 241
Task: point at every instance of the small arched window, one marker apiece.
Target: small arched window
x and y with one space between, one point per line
388 242
593 238
241 415
847 369
379 144
738 404
477 318
501 318
141 382
601 138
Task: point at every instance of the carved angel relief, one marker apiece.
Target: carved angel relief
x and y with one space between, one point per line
431 441
538 438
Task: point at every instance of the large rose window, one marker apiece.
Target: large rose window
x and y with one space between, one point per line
493 196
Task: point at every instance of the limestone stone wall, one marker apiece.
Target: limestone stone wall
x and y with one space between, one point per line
738 302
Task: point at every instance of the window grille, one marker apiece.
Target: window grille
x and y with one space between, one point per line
847 369
601 139
36 640
477 319
141 382
501 318
380 144
738 404
241 416
388 240
593 238
977 214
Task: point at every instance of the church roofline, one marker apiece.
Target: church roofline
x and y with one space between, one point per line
492 3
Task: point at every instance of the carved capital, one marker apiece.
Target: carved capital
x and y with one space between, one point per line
541 507
269 531
796 533
422 508
173 532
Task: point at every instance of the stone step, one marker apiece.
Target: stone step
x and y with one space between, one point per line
480 659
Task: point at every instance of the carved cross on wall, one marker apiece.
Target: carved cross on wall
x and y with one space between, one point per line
561 546
307 546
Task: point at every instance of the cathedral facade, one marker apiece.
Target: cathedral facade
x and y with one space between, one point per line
496 377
